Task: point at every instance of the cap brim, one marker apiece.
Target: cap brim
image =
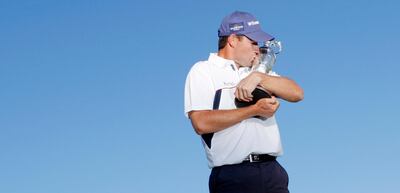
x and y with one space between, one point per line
259 36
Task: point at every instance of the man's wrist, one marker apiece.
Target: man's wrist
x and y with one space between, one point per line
260 76
252 111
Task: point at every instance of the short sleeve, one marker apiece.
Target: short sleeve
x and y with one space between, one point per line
272 73
199 88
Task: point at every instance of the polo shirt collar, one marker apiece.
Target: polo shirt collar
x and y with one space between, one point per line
225 63
219 61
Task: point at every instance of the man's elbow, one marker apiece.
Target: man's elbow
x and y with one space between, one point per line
297 95
200 129
199 126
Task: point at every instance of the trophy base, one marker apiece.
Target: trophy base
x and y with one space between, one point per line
258 94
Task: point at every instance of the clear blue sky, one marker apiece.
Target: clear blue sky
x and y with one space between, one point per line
91 94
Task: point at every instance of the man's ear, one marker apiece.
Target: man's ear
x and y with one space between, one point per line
232 40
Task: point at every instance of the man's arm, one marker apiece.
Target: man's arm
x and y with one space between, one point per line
281 87
210 121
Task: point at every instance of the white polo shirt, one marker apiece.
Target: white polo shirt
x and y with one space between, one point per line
211 85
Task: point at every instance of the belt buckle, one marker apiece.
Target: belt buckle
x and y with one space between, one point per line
252 159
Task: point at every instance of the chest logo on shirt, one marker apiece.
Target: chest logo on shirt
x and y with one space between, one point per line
229 84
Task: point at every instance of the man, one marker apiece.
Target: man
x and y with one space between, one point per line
241 149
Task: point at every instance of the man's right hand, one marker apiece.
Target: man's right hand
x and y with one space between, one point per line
266 107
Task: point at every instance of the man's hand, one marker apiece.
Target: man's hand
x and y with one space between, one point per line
247 85
266 107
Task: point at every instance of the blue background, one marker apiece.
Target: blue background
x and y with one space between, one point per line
91 94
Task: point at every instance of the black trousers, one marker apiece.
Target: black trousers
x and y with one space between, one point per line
258 177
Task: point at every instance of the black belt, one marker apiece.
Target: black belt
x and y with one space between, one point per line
259 158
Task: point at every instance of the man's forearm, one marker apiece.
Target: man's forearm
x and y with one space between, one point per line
211 121
283 88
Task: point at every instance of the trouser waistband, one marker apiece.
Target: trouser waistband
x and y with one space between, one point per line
259 158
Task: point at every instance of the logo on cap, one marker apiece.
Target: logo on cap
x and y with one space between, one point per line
235 27
250 23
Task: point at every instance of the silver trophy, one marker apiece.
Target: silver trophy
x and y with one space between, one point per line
268 52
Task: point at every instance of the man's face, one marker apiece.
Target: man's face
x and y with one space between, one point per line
246 52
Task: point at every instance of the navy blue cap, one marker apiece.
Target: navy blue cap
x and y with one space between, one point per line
243 23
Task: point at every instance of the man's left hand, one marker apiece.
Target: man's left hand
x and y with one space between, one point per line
247 85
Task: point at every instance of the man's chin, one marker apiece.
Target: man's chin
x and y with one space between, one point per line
244 64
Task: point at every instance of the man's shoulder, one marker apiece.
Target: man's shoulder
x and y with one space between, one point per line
202 65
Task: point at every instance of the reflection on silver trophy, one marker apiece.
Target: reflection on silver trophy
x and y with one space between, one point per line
268 52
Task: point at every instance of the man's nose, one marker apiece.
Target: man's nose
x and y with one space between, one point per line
257 51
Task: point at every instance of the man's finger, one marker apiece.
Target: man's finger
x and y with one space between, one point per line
271 100
239 94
